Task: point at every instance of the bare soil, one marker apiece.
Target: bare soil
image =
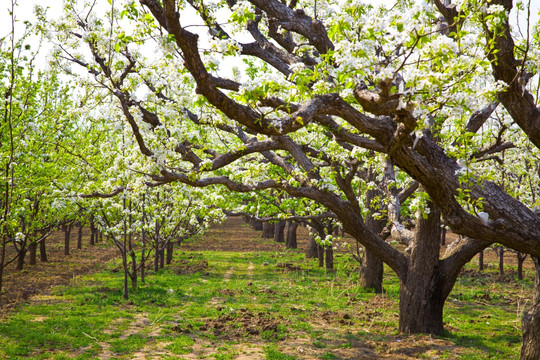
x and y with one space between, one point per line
21 285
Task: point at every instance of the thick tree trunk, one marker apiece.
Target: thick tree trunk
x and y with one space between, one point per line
32 249
254 223
312 248
371 272
329 257
531 322
279 228
421 299
79 237
290 234
268 230
43 251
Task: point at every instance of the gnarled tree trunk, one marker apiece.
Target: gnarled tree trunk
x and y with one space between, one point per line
421 298
531 322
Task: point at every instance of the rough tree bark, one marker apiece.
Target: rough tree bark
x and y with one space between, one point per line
170 250
421 300
43 251
320 255
531 322
279 231
520 260
312 248
20 258
92 231
290 234
79 235
481 261
268 230
67 234
32 250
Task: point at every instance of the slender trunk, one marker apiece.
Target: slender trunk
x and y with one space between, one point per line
32 250
531 322
79 237
268 230
67 233
501 260
126 274
520 259
481 261
170 249
279 229
320 255
143 255
290 234
133 274
312 248
156 256
329 250
100 234
371 267
2 259
421 298
92 232
143 236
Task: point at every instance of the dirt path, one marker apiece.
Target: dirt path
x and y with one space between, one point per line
235 235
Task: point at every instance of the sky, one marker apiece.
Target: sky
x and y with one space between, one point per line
25 8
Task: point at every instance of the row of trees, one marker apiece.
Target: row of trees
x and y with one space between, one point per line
365 114
62 164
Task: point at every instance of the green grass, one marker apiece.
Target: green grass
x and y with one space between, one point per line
256 310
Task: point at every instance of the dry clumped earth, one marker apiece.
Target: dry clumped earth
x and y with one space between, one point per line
245 328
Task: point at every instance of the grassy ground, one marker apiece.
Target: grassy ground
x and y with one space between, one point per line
258 305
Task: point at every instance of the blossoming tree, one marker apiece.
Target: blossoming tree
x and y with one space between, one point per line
302 98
